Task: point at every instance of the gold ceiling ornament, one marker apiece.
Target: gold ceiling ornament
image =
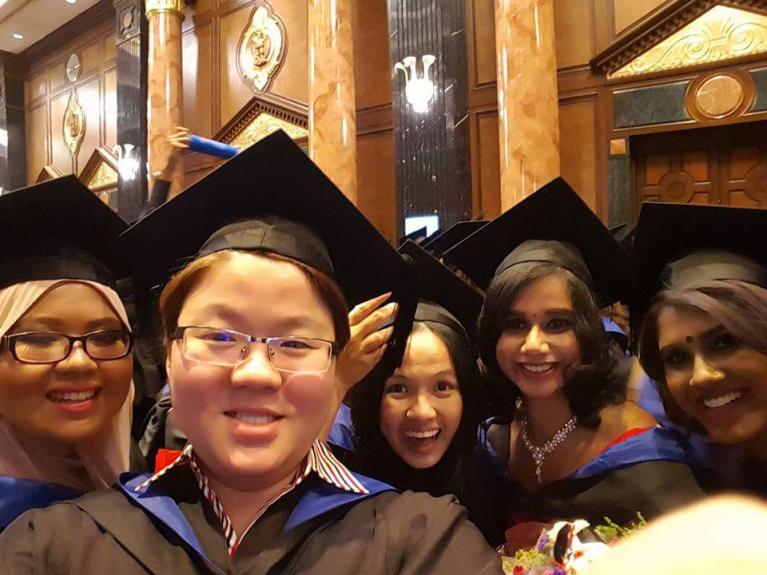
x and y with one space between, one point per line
156 6
263 125
74 124
720 34
262 47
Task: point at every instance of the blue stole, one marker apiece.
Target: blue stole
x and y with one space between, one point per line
212 147
20 495
318 498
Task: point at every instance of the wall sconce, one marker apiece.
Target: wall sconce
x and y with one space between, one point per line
419 91
127 163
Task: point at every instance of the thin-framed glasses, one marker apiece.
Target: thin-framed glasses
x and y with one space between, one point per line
228 347
49 347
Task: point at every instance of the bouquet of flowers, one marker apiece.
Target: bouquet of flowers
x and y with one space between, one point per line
567 547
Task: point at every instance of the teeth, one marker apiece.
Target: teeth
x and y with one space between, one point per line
537 367
722 400
72 395
422 434
253 419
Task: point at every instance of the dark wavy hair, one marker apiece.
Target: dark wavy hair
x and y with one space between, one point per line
740 307
590 386
373 455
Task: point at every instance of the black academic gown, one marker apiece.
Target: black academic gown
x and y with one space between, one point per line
648 473
316 529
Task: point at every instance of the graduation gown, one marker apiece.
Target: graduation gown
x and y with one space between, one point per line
20 495
315 529
648 473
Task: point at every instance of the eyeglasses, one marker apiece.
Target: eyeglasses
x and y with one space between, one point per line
45 347
227 347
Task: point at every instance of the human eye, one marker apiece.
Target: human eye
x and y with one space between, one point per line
675 358
106 337
723 343
395 388
444 387
38 339
516 324
297 344
212 335
559 324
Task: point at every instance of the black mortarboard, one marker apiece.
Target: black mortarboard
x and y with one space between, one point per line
681 245
443 297
416 236
443 240
58 230
551 225
271 197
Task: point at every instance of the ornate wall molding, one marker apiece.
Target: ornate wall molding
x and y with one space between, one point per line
100 171
658 28
74 124
173 6
723 33
47 172
277 112
262 48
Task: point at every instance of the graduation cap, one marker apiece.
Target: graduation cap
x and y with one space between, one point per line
271 197
624 233
416 236
59 230
447 238
552 225
682 245
444 298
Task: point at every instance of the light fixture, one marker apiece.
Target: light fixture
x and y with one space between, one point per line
419 91
127 163
71 1
18 36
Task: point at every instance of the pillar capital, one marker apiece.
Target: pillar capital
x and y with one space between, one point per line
171 6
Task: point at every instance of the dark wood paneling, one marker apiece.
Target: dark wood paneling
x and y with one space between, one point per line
375 181
575 32
372 65
628 12
578 140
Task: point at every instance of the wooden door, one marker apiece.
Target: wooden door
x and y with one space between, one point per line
725 165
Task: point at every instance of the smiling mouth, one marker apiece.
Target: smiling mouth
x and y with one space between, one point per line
423 435
250 419
722 400
537 368
72 396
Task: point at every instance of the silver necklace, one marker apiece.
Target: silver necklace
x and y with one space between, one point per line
540 453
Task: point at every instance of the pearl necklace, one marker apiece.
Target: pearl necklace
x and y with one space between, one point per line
540 453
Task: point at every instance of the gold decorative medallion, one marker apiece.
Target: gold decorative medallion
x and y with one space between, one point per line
74 124
720 34
173 6
262 48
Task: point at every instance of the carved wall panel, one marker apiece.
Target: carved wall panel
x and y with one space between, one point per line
262 47
66 119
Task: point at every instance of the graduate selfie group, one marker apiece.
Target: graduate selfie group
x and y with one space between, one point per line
251 379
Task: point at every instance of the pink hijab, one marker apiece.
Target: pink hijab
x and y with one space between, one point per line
98 463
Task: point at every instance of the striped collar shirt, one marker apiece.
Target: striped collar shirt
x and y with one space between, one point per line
319 460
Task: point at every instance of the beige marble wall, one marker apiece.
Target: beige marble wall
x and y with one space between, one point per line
528 109
332 119
165 86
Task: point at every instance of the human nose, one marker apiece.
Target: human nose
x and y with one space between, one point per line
421 408
703 372
256 368
77 358
535 341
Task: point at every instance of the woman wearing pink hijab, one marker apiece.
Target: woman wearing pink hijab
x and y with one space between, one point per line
65 348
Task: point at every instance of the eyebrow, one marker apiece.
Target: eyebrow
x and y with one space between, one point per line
48 322
232 316
552 311
713 332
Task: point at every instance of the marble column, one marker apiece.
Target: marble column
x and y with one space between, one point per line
165 84
332 107
528 107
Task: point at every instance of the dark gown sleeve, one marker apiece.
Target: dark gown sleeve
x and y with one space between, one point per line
437 539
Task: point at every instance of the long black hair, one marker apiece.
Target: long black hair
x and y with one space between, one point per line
590 386
374 456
